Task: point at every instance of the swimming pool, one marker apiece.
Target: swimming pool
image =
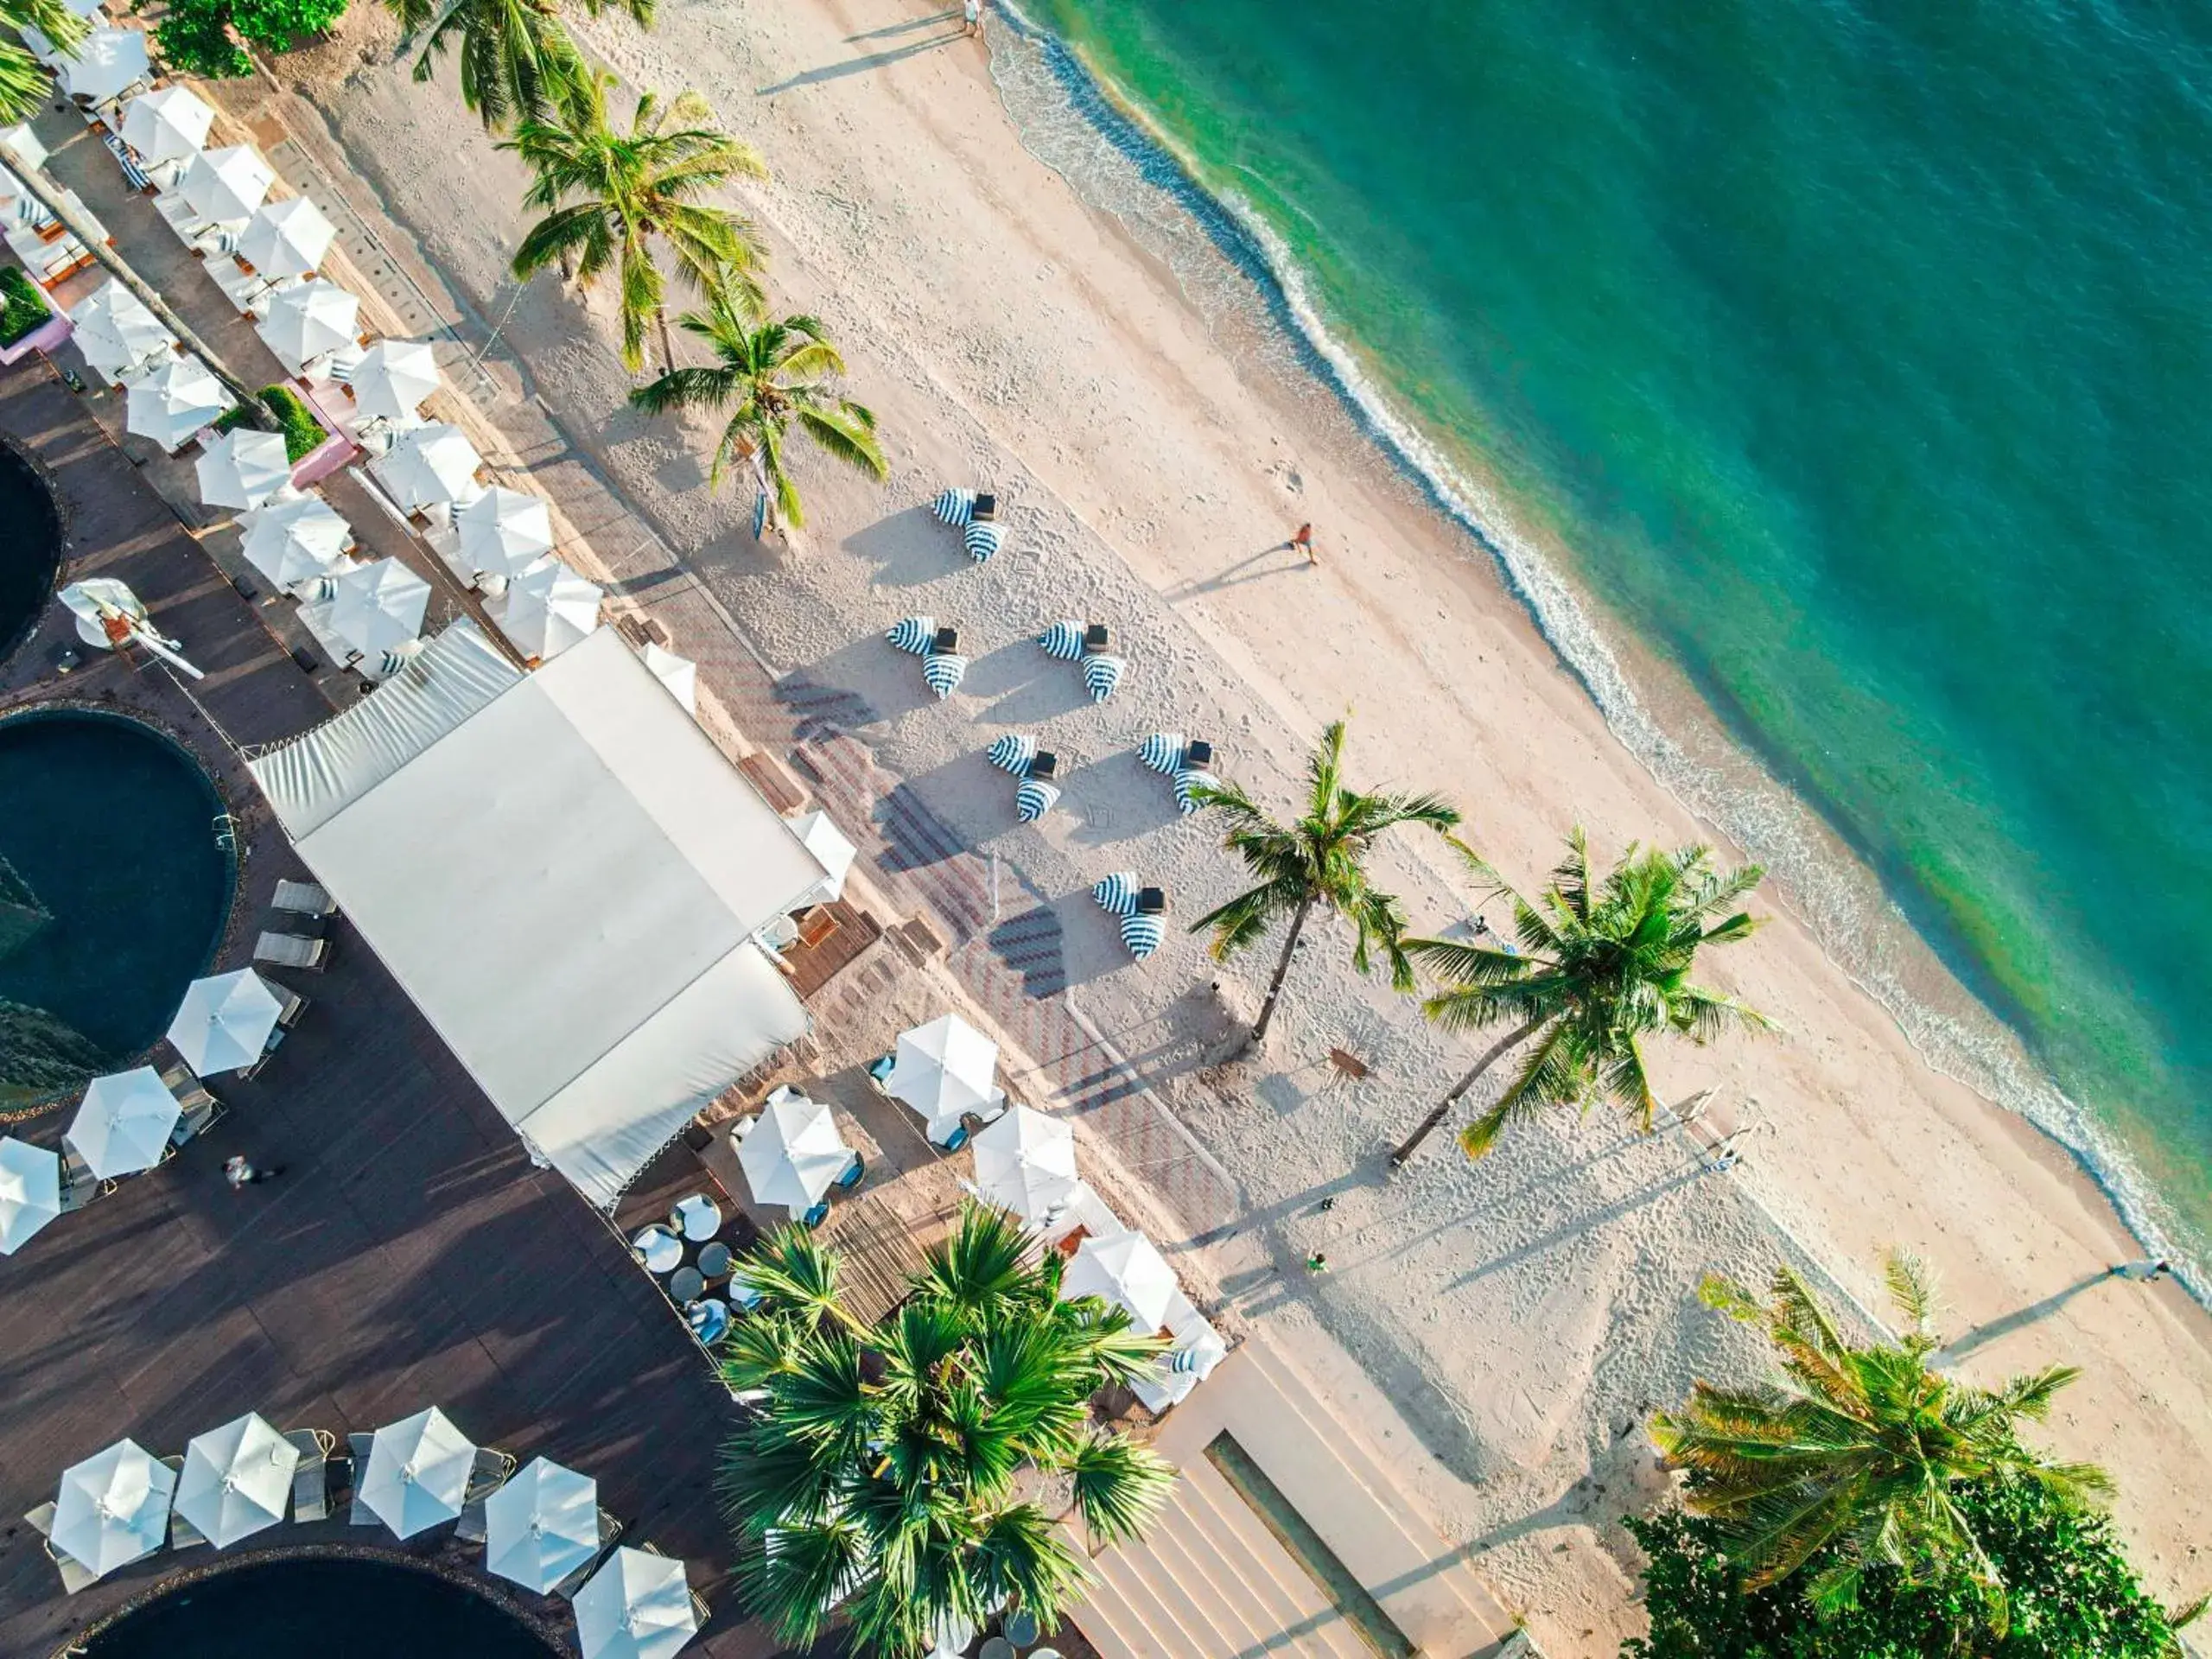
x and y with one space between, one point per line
330 1607
113 893
30 548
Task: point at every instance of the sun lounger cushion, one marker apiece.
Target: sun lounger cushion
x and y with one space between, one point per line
1186 783
1063 640
1033 799
305 898
955 507
943 671
1101 674
983 540
1117 893
912 633
1163 752
1012 753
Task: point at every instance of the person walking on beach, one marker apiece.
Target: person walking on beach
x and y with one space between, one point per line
1303 543
2145 1272
241 1174
971 18
1317 1263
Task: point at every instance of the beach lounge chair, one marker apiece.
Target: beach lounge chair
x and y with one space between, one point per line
1033 799
912 633
982 538
134 175
699 1602
1062 641
289 951
1187 782
304 899
954 1142
851 1178
944 667
610 1530
1012 753
1163 752
311 1476
957 507
356 1448
198 1109
182 1533
1144 928
881 1068
1102 674
816 1216
75 1575
1117 893
80 1187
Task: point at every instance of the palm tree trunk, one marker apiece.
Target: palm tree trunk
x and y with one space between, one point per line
1489 1058
1282 969
73 222
667 346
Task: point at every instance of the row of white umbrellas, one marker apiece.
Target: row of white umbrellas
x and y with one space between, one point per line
115 1507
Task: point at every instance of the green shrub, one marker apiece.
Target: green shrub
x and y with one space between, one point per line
208 37
23 307
304 433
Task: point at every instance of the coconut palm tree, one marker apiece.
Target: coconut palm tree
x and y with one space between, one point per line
1857 1449
1599 967
877 1483
613 198
24 81
516 59
1319 859
769 376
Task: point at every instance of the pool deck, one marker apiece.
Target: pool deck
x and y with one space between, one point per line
409 1256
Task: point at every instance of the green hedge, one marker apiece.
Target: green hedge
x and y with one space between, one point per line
304 433
23 307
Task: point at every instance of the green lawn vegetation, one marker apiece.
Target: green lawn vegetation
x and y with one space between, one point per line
23 307
304 433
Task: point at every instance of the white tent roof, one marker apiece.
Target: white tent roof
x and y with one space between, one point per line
123 1124
287 238
226 185
417 1473
378 607
1026 1162
107 61
541 1525
173 401
306 322
598 978
30 1190
168 124
296 539
115 331
237 1480
393 377
827 842
793 1152
637 1606
224 1022
547 609
504 532
1124 1269
681 676
243 469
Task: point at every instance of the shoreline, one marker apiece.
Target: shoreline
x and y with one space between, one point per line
1996 1062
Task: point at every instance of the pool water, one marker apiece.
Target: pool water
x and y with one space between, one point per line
113 893
30 548
325 1607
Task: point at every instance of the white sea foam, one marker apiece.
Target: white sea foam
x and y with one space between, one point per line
1226 254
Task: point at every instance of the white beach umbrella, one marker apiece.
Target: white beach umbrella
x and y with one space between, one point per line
172 400
224 1022
1026 1162
226 185
831 850
378 607
20 139
504 532
417 1473
123 1125
116 332
167 124
287 238
84 8
295 540
243 469
393 377
107 61
541 1525
637 1606
30 1190
793 1154
430 464
547 609
237 1480
1124 1269
306 322
112 1507
944 1069
679 674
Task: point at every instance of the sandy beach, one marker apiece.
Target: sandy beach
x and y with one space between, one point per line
1155 446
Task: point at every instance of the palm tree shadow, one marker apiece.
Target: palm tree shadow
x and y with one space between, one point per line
1584 1223
909 548
859 65
1982 1335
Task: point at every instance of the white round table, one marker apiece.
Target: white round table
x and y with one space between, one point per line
663 1252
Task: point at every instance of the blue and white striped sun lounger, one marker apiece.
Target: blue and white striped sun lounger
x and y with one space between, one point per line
131 171
1033 799
1062 641
1163 752
983 540
1101 674
1143 934
1012 753
1117 893
1187 781
942 671
914 633
955 507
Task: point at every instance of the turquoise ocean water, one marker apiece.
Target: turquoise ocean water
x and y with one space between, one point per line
1857 360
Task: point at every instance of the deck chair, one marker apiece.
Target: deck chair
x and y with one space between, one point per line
854 1170
182 1533
305 899
74 1577
311 1480
80 1187
492 1471
610 1530
295 1006
360 1515
289 951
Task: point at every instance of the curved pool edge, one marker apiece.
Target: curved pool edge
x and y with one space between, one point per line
12 449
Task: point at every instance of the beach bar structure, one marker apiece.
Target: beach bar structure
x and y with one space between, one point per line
565 874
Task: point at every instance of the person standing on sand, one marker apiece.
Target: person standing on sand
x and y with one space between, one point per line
1303 543
971 18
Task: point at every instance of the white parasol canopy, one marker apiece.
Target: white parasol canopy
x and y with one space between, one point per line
637 1606
224 1022
306 322
504 532
226 185
172 400
287 238
1026 1162
112 1507
417 1473
827 842
1127 1271
944 1069
123 1125
547 609
295 540
793 1154
166 124
378 607
30 1190
108 61
243 469
393 377
541 1525
116 332
430 464
679 674
237 1480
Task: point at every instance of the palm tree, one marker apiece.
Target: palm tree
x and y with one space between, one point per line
1599 968
612 198
23 79
1318 859
1858 1451
767 375
517 59
877 1482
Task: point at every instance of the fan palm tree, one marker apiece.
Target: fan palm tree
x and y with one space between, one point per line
516 59
1858 1451
1600 966
769 376
1317 859
877 1482
24 81
613 198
